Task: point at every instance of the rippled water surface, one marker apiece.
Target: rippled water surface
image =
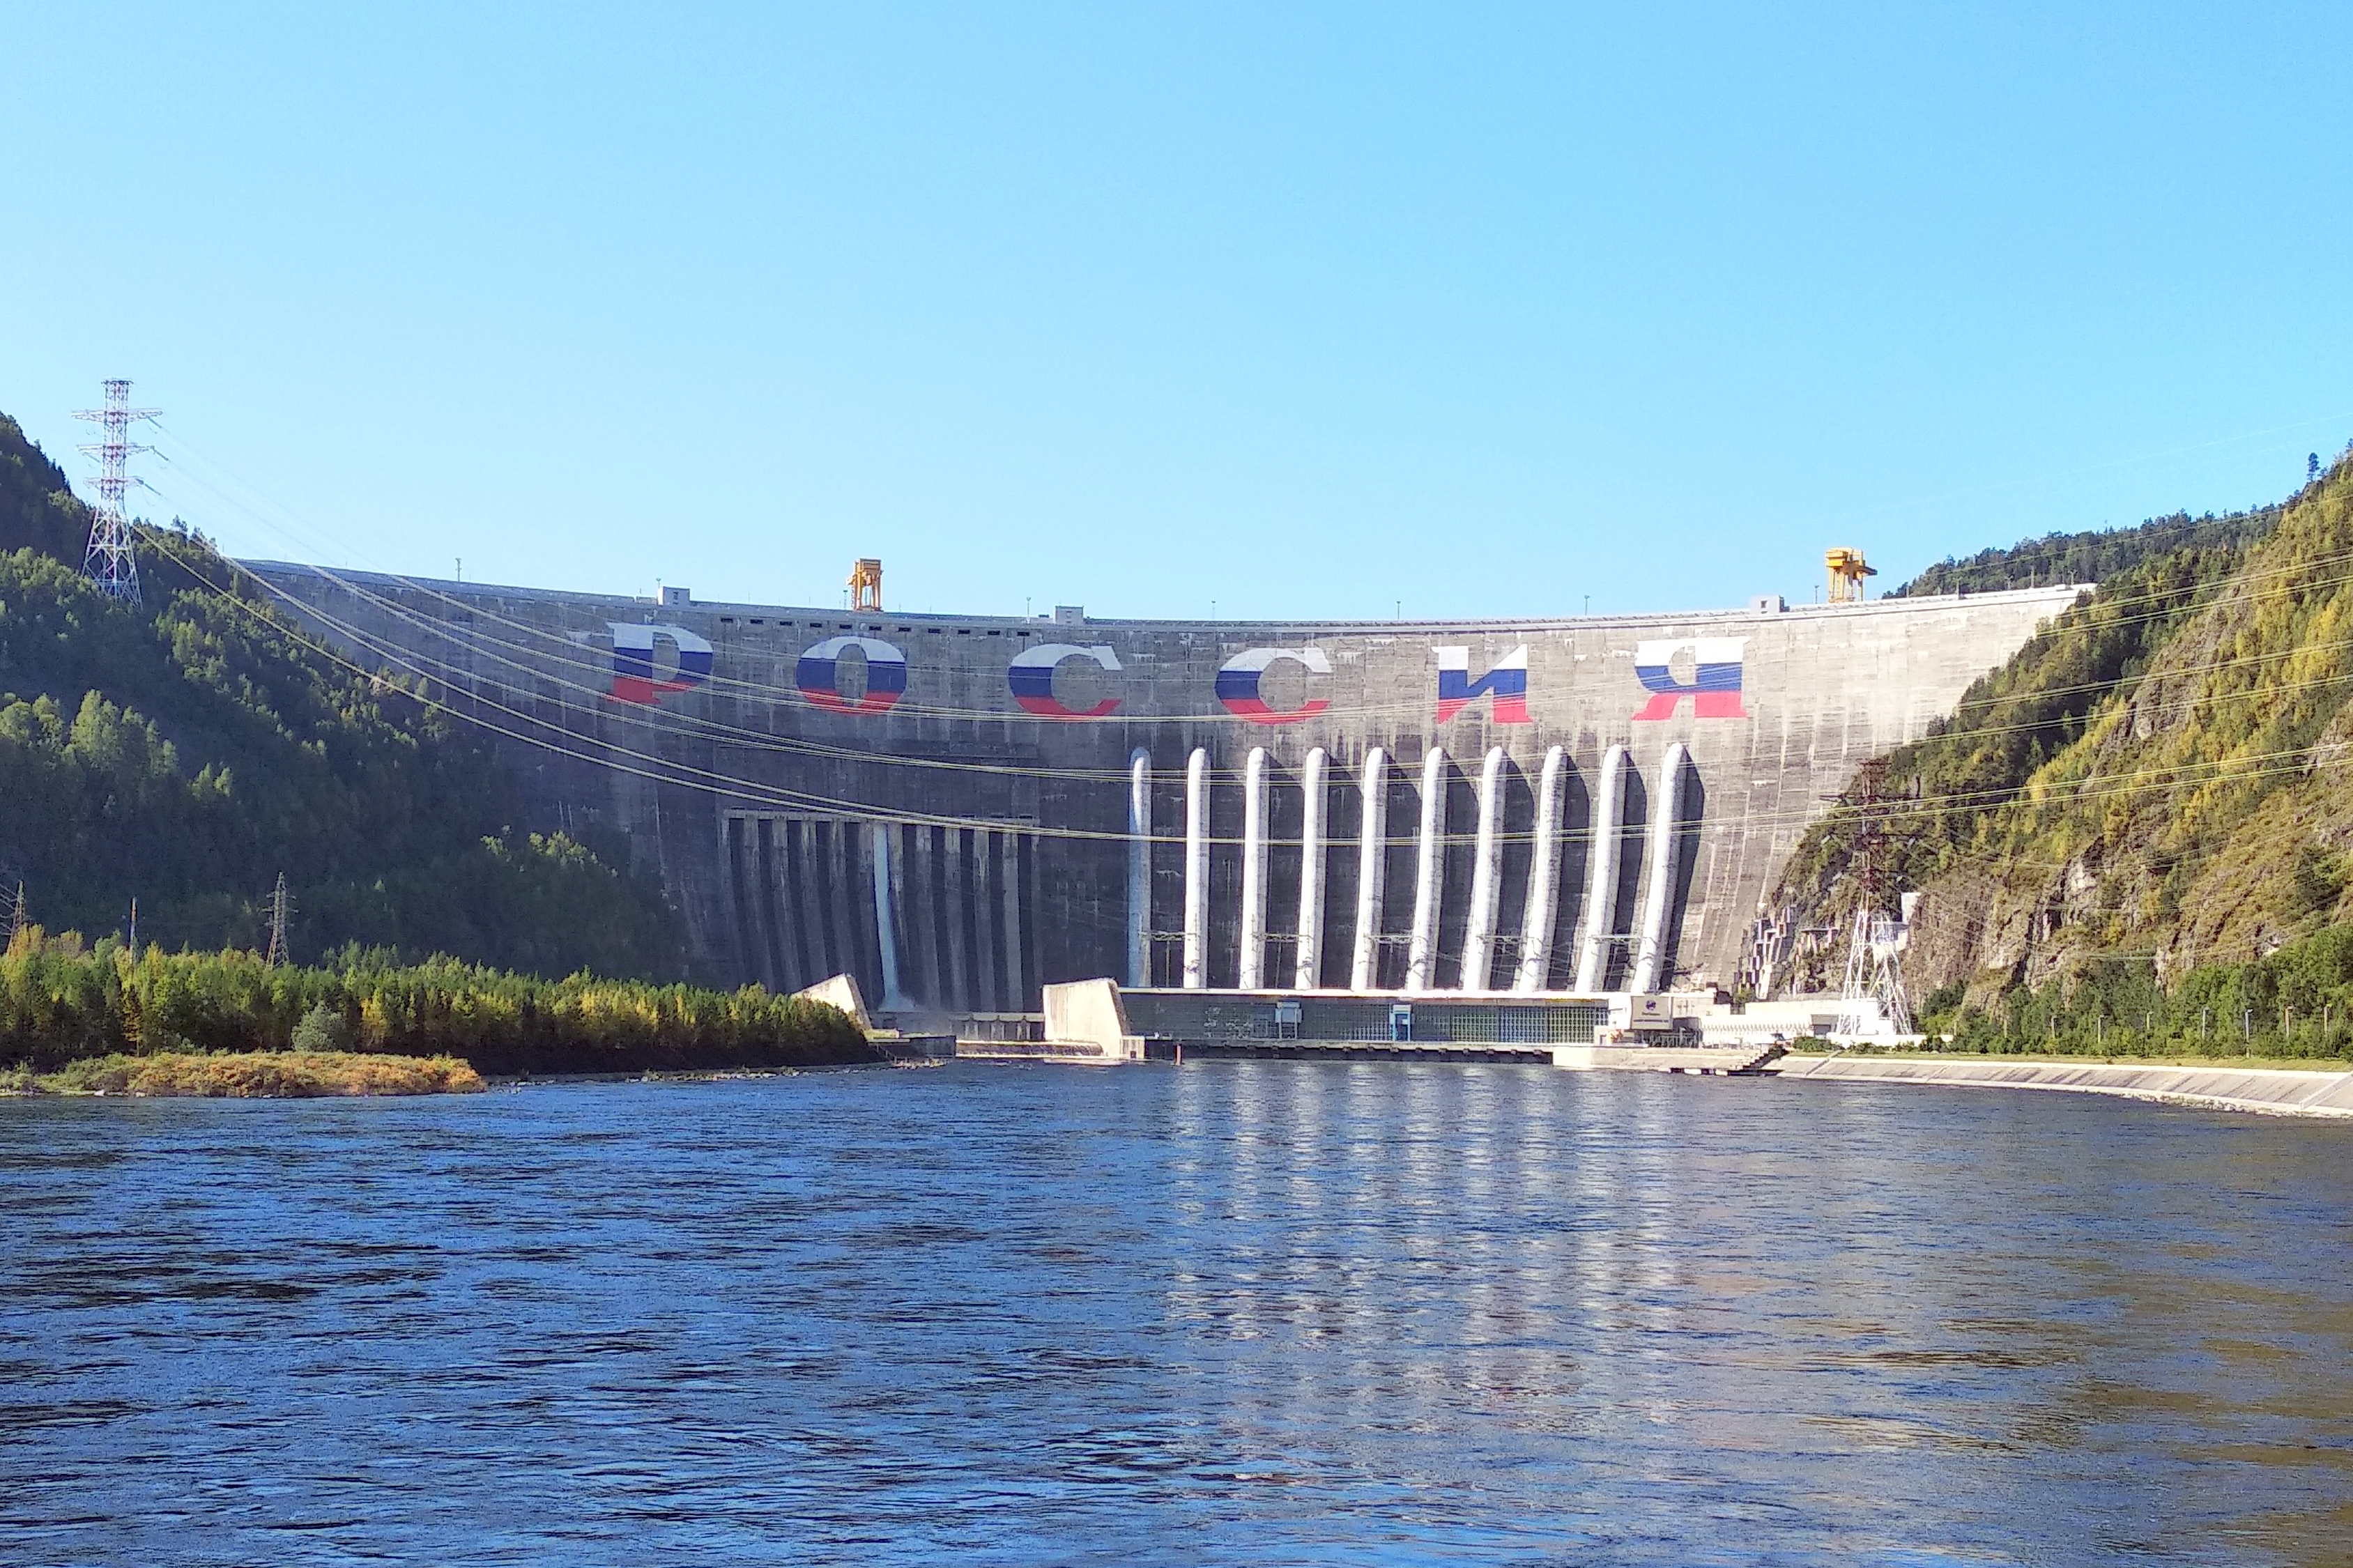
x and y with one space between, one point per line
1246 1312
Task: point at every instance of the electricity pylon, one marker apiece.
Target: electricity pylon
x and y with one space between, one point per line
109 561
278 906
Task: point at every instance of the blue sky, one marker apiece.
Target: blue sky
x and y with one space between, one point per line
1293 310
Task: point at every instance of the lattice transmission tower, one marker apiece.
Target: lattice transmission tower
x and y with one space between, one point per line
280 906
109 562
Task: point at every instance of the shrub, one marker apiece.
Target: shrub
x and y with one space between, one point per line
58 1005
268 1075
321 1029
2318 879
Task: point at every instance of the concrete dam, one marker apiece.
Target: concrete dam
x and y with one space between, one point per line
960 810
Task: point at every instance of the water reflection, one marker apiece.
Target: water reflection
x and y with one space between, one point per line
1240 1312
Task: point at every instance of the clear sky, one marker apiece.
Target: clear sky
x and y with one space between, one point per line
1295 310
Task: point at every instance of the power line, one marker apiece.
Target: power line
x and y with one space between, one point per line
1942 801
2207 774
563 651
566 655
2167 602
755 793
480 643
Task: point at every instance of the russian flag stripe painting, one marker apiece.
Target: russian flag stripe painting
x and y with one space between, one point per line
1506 682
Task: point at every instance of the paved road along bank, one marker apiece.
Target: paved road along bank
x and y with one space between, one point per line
2280 1091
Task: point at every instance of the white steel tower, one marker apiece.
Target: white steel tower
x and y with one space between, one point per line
109 561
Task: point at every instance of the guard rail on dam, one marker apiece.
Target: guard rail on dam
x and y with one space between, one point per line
959 810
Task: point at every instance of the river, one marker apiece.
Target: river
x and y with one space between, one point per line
1252 1312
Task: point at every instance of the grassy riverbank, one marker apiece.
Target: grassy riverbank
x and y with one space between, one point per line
250 1075
61 1005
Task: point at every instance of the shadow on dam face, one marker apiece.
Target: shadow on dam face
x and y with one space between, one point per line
1688 852
1633 839
1576 853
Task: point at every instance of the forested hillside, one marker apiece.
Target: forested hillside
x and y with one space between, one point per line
2093 557
186 752
2150 800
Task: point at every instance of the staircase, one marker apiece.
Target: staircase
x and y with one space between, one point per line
1764 1056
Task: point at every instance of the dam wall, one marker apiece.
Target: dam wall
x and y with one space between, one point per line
960 810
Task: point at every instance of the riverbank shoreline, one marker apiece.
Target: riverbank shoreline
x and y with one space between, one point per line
2261 1090
95 1079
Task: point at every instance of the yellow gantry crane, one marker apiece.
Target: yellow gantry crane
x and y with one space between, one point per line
866 585
1847 573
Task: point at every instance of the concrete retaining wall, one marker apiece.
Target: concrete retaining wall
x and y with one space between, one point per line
1086 1013
2280 1091
1703 1060
841 991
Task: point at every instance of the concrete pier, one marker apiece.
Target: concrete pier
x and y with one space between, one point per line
1254 866
1428 875
1666 850
1139 866
1315 806
1486 876
1541 917
1602 891
1197 868
1372 870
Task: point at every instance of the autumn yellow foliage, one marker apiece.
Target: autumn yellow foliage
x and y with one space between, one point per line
263 1075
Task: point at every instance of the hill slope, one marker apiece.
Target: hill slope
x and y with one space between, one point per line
186 752
2093 557
2158 782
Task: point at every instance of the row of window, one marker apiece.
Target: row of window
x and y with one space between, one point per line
1435 1023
